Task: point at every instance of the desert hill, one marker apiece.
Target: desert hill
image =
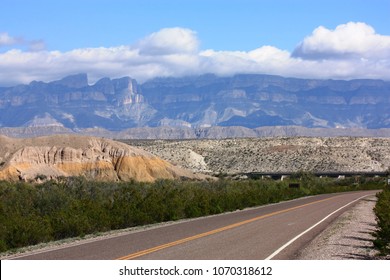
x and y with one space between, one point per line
70 155
274 154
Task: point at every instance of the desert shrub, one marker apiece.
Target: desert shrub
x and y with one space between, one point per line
71 207
382 212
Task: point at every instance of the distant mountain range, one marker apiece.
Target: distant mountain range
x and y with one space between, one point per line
196 104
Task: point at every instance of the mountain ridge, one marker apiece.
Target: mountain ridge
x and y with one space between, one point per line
215 132
197 102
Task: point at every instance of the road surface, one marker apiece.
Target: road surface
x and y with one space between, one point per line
277 231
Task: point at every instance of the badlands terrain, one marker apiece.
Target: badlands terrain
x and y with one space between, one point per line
69 155
276 154
147 160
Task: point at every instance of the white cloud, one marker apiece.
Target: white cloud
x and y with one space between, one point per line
354 39
6 40
138 60
266 59
169 41
352 50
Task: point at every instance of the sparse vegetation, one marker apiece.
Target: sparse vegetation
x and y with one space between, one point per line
70 207
274 154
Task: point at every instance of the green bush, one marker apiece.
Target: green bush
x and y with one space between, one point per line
382 212
71 207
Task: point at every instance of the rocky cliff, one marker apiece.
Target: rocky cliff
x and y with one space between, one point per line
73 103
262 100
94 158
248 101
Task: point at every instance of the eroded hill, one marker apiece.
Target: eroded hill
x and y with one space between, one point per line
289 154
69 155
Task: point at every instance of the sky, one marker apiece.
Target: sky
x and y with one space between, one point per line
323 39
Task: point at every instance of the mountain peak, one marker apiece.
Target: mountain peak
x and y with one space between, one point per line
74 81
124 83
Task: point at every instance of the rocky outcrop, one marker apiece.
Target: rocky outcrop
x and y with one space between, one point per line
94 158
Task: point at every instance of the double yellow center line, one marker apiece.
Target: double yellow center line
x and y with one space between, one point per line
221 229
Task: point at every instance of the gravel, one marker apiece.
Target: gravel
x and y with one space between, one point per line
348 238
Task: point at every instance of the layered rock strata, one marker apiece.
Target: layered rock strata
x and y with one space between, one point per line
69 155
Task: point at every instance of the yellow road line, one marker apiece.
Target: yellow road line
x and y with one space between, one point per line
197 236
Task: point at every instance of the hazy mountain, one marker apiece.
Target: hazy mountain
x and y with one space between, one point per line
262 100
248 101
214 132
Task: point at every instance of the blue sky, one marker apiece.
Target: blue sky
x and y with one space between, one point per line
149 38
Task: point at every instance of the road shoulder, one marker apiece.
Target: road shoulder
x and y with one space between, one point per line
348 238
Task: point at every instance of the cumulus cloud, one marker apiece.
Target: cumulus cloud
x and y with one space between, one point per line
7 40
352 50
354 39
169 41
169 52
266 59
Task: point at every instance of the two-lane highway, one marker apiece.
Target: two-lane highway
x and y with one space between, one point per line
276 231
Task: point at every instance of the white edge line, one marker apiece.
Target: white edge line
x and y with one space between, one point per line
310 228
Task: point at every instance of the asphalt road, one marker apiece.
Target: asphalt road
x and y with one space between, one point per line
277 231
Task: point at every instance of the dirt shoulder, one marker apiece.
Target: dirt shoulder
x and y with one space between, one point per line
348 238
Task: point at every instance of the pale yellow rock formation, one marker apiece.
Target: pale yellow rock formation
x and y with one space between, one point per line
94 158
